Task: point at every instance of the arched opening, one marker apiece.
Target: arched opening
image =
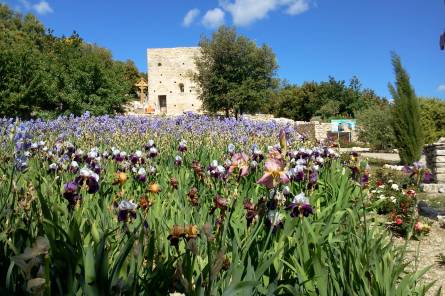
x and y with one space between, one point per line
181 87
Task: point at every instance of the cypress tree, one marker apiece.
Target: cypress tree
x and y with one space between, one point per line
406 115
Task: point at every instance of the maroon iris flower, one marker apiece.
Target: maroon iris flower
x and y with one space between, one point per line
251 212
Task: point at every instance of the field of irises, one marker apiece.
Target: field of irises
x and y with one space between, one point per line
192 205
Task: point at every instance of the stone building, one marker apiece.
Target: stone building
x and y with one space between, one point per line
170 88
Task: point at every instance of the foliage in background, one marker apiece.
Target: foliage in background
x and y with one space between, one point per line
325 100
375 127
45 75
432 118
406 116
375 123
234 75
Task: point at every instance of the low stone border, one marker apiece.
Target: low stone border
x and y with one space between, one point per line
432 188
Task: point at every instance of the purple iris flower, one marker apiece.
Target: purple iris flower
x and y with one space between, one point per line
427 177
137 157
313 177
178 160
90 179
71 193
141 175
182 146
153 152
300 206
126 210
364 180
215 170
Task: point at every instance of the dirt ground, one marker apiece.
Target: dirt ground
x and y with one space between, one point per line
429 247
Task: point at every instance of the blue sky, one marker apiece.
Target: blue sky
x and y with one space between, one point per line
311 38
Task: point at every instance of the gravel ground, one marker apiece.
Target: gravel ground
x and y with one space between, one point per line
429 247
386 156
392 157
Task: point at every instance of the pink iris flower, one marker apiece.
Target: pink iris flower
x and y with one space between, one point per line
240 161
274 173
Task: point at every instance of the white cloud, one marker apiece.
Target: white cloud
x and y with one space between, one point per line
42 7
25 4
213 18
246 12
441 88
190 17
298 7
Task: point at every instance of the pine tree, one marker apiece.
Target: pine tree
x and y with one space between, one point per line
406 115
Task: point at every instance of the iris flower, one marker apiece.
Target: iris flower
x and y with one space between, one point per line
251 212
240 161
182 146
127 209
89 178
141 175
274 219
71 193
300 206
274 173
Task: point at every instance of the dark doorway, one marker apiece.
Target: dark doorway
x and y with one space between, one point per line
163 103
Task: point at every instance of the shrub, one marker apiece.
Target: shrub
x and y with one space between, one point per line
432 111
375 127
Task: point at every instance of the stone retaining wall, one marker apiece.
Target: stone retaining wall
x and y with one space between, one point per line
435 160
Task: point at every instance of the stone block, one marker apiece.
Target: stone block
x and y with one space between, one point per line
438 165
440 152
439 159
429 188
439 170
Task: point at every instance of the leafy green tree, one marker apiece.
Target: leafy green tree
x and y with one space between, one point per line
44 75
323 100
234 75
432 115
406 115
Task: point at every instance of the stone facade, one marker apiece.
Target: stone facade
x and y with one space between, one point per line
170 88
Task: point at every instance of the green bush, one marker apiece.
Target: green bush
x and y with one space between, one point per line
432 112
375 127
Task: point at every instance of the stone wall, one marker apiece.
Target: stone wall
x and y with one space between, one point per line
169 71
321 130
435 160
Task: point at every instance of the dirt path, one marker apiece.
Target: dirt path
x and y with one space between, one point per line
429 248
